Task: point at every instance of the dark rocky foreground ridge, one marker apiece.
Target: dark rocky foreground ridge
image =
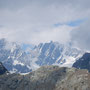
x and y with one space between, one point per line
3 70
83 62
47 78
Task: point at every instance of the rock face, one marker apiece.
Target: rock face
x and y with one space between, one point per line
83 62
54 53
48 78
3 70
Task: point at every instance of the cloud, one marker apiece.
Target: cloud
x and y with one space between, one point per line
81 35
36 37
33 21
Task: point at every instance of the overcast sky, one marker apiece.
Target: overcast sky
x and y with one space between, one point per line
35 21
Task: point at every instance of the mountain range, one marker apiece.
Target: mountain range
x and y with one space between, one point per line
47 66
16 59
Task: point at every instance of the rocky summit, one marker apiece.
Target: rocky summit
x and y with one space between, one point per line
47 78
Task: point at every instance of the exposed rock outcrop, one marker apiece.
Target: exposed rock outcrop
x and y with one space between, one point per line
3 70
48 78
83 62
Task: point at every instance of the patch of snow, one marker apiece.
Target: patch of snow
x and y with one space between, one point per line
24 73
13 71
69 62
33 65
8 57
17 62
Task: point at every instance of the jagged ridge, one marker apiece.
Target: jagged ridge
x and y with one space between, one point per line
48 78
15 59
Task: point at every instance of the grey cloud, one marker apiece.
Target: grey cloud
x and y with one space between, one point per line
81 36
12 4
33 20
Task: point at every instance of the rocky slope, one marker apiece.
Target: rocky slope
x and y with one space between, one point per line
47 78
83 62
